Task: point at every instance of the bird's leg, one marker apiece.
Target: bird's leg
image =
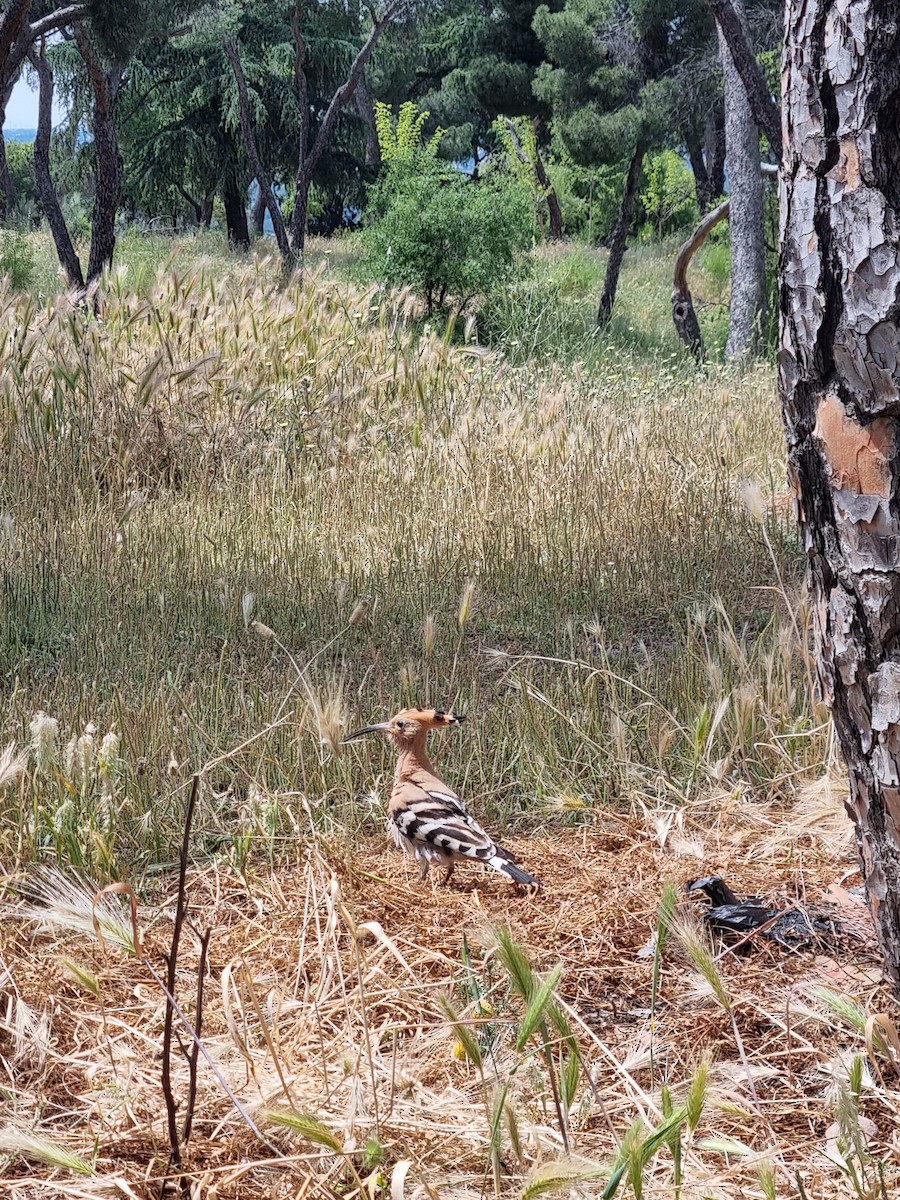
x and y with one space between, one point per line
423 870
448 873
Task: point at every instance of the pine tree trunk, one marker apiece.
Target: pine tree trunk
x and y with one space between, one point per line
745 189
714 152
839 379
235 215
258 214
7 190
300 218
366 110
107 160
619 239
701 175
46 189
288 262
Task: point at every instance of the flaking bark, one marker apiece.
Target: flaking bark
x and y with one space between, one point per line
748 264
839 380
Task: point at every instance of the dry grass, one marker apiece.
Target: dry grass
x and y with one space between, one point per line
362 1044
214 450
200 485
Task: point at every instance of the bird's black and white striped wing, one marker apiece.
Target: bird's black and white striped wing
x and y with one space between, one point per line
440 819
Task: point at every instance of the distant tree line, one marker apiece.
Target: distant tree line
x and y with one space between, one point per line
183 111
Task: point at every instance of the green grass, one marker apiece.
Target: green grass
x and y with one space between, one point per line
213 442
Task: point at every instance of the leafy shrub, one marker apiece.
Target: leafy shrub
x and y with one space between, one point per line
449 238
20 160
16 259
668 197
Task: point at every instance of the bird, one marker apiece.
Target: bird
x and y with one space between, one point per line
426 817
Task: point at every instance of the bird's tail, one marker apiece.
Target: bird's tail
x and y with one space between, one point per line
511 871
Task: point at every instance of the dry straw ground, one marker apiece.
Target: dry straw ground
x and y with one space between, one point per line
323 990
198 485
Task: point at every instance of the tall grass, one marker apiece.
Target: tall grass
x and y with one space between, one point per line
211 437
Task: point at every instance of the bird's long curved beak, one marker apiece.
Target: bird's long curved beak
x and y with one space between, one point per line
381 727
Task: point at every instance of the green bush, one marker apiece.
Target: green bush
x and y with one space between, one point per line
16 259
20 160
448 238
669 197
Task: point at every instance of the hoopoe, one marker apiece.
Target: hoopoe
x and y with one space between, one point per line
427 819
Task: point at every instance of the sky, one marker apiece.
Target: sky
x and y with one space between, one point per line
21 112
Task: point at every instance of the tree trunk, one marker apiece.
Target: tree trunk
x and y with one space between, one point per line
206 212
545 187
745 190
7 190
553 209
44 180
732 26
683 315
619 239
235 216
701 175
308 157
108 162
714 151
288 261
839 379
366 110
300 215
258 212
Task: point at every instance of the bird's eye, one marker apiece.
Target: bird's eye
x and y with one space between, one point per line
401 724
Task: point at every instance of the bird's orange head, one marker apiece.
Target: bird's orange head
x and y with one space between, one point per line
409 724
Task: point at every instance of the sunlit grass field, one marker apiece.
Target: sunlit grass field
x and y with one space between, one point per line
211 449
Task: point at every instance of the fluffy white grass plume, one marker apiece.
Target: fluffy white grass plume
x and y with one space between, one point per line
66 902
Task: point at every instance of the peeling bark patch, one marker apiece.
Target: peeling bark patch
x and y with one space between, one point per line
884 688
847 170
858 456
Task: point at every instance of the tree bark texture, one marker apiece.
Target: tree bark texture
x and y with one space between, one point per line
620 238
46 189
701 174
366 109
714 151
732 26
839 379
745 190
258 212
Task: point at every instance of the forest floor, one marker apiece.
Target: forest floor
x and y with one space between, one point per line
323 998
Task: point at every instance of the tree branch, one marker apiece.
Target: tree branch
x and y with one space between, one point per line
683 315
763 107
345 92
